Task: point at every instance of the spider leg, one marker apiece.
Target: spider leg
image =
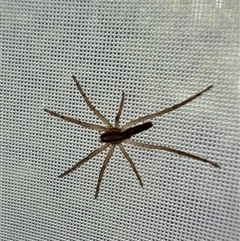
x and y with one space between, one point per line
119 112
70 119
182 153
131 162
160 113
96 112
91 155
110 152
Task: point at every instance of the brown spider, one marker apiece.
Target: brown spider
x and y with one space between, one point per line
116 135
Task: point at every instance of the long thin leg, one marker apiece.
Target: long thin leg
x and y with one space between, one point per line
70 119
91 155
96 112
131 163
160 113
110 152
119 112
182 153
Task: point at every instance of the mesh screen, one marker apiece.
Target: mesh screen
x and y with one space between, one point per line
159 53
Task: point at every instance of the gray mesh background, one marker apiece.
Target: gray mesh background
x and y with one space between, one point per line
159 53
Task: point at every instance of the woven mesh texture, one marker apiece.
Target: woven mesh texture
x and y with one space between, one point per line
159 53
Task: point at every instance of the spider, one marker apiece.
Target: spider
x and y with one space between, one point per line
114 135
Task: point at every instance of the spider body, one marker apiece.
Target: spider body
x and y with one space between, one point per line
115 135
